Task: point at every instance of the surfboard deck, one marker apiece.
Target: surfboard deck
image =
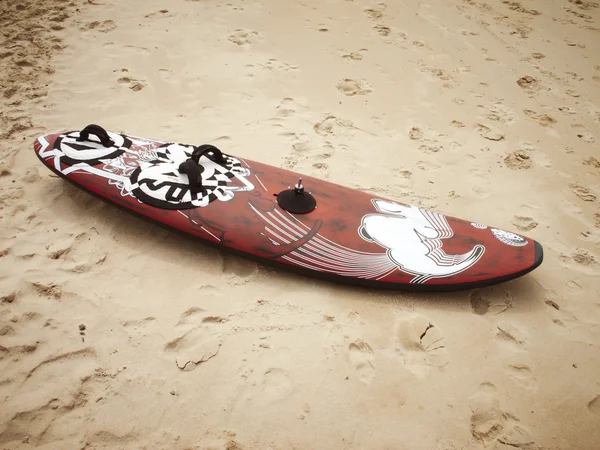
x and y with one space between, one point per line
350 236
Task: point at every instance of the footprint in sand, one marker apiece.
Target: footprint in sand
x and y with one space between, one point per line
489 133
438 73
242 37
582 192
493 299
351 87
575 76
139 328
51 290
9 297
490 424
139 324
382 30
81 381
567 110
523 223
78 253
415 133
322 170
5 330
354 56
19 333
517 160
529 83
402 173
31 421
543 119
586 17
82 360
511 335
361 356
552 304
516 6
299 152
193 348
157 14
522 374
586 137
249 70
286 108
594 405
374 13
583 257
593 162
499 112
104 26
334 126
273 64
197 345
132 83
583 4
419 343
305 411
431 147
580 260
428 145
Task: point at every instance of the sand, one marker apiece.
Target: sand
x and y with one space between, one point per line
115 333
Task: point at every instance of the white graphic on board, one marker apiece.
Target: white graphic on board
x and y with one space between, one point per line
150 172
317 252
160 182
479 226
508 238
91 151
413 239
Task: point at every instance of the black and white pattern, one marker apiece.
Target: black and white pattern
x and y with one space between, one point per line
160 183
91 151
508 238
413 238
479 226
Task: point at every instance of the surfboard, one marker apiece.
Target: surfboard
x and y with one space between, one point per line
282 218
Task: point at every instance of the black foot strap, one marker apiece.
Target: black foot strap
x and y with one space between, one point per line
192 167
210 151
194 172
98 131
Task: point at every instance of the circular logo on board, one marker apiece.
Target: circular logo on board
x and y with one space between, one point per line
508 238
90 151
160 183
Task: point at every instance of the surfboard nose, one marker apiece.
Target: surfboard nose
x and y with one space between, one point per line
538 257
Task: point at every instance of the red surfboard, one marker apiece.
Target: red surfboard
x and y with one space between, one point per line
312 226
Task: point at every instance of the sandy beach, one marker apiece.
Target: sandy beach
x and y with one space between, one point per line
115 333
